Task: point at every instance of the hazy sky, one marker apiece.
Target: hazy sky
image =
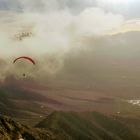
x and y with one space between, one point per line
74 38
128 8
58 25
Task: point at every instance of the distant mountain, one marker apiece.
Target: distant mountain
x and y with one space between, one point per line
89 126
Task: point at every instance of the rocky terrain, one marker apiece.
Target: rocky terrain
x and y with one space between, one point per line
73 126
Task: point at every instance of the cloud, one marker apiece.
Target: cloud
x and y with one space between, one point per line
43 5
109 63
127 26
129 8
49 37
94 21
56 34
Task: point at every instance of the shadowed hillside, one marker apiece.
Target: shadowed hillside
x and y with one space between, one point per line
73 126
88 126
20 103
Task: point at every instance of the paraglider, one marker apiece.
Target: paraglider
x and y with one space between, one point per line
26 58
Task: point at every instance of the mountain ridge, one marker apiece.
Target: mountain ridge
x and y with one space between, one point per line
88 126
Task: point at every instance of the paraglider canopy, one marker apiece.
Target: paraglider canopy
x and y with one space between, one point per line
26 58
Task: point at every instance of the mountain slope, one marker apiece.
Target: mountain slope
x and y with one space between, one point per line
22 104
11 130
72 126
88 126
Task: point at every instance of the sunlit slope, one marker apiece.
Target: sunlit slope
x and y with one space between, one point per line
12 130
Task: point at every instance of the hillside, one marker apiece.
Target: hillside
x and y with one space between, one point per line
73 126
22 104
89 126
11 130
